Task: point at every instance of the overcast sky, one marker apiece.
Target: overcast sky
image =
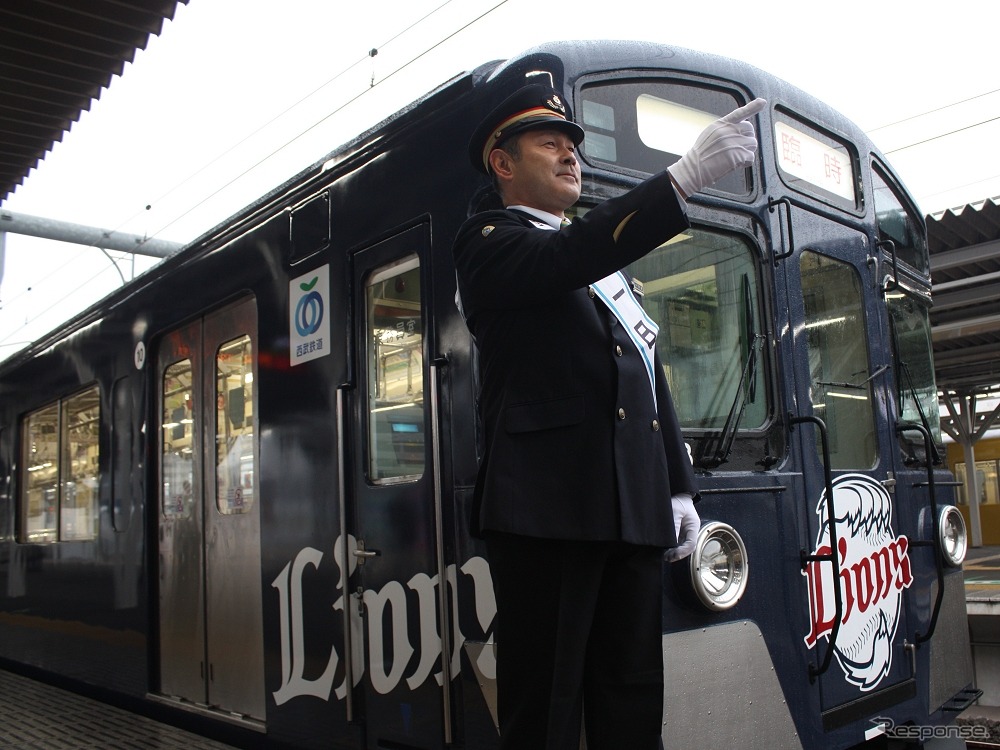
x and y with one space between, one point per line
235 96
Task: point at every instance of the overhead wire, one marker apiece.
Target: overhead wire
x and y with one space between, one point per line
943 135
935 110
281 114
280 148
340 108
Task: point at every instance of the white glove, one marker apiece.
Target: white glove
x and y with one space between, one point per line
686 525
727 144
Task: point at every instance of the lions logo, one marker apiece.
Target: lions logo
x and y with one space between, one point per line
874 570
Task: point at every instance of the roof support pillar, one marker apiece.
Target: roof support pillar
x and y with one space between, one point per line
967 428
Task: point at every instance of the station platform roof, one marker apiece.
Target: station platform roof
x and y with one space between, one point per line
56 57
964 248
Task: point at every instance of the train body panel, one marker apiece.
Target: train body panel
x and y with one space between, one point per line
241 485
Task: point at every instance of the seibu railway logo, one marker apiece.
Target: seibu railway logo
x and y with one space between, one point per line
874 570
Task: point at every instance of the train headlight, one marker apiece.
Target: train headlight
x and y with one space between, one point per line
719 566
951 535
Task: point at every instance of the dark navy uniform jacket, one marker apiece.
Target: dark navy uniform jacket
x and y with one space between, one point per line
574 446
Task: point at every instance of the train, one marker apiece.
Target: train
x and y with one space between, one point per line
239 487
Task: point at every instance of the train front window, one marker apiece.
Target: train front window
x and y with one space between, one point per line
701 289
840 387
897 225
60 480
234 421
916 389
645 125
395 372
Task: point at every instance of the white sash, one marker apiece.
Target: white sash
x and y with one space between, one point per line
614 292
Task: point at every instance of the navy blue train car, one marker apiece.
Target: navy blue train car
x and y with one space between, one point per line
239 487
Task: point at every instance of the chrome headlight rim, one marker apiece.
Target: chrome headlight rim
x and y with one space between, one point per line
953 537
718 565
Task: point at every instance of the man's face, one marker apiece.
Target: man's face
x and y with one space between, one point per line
546 176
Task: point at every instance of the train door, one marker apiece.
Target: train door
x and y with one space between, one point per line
856 566
210 617
392 479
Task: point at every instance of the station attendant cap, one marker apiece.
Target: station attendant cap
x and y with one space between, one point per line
534 106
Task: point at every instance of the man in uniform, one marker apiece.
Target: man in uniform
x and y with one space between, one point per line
585 479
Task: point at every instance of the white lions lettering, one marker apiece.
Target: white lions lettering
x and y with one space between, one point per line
874 570
387 628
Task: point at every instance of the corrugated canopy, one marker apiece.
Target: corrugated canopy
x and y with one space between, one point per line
965 318
56 56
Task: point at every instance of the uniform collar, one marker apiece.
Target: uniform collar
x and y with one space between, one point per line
551 219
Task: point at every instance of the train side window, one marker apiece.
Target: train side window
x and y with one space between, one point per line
701 289
40 475
896 223
395 367
646 124
79 478
179 423
916 388
840 383
60 479
986 482
234 426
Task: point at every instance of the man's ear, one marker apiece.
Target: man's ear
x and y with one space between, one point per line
502 164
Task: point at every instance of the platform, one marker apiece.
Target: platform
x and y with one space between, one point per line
37 716
982 602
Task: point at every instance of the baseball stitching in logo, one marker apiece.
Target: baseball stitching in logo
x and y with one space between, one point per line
874 570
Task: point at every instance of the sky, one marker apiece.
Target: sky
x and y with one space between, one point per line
236 96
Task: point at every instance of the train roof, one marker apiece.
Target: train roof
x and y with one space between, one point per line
490 81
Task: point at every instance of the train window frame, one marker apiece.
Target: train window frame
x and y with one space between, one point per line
659 159
749 445
923 393
63 526
913 223
183 422
842 385
235 470
403 466
786 117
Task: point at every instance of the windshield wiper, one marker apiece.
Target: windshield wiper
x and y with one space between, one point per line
746 392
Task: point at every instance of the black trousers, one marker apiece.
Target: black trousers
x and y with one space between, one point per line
579 637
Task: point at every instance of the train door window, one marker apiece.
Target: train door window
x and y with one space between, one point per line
234 434
840 387
60 453
395 369
646 124
916 389
81 417
897 224
701 289
178 441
